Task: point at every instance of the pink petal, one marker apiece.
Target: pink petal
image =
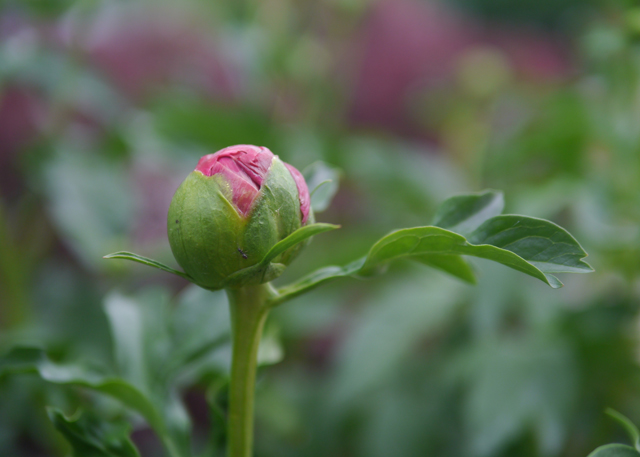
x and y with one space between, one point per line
245 168
303 192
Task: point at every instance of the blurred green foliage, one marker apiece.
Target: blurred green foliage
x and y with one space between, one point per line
106 106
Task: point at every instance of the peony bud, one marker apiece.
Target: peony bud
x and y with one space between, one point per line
231 210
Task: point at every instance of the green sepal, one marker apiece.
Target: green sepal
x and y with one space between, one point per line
266 270
262 272
275 216
246 250
218 247
300 235
146 261
255 275
200 207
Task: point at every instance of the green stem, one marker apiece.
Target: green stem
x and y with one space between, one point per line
249 312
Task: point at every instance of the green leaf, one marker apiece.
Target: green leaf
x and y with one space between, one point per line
146 261
89 200
542 243
90 438
216 397
144 349
515 385
270 350
296 237
186 118
23 359
34 360
455 265
533 246
615 450
464 213
629 426
126 322
315 279
374 350
201 328
322 180
272 270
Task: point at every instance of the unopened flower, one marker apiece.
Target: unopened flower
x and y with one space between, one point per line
228 213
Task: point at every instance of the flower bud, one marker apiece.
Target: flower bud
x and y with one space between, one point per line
228 213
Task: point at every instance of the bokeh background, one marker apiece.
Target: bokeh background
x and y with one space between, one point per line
105 106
